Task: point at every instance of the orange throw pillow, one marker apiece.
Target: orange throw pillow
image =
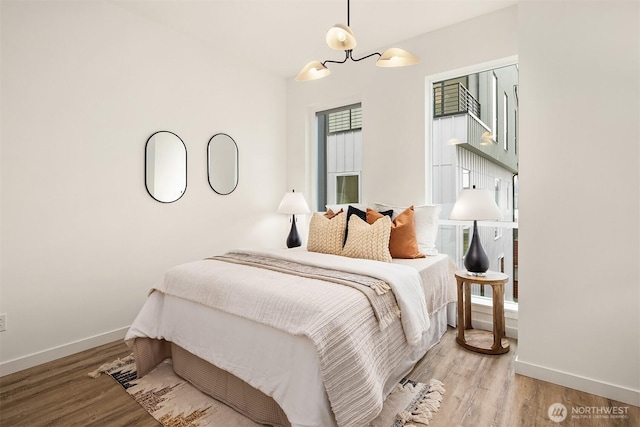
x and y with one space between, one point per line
330 214
403 242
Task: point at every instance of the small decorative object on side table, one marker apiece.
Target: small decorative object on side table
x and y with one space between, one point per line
478 340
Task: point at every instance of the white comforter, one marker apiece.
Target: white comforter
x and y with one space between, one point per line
184 281
408 291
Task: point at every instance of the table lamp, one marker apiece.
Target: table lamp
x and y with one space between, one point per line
475 205
293 204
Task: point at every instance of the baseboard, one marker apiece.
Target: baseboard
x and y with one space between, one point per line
510 331
35 359
482 318
588 385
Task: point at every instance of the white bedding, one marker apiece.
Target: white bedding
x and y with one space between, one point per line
236 289
279 364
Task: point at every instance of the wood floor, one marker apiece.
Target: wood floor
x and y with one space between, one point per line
482 391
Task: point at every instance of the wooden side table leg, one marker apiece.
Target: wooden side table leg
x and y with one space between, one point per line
460 311
498 316
467 306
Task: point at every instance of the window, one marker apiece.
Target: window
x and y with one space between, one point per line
347 188
515 198
339 155
515 119
466 241
466 178
488 166
466 238
515 130
494 106
505 126
496 189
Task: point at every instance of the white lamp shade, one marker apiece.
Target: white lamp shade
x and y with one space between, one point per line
396 57
341 37
293 204
475 204
312 71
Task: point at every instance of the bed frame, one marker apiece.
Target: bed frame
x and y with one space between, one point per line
231 390
211 380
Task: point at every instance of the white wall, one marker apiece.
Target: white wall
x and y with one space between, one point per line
579 198
84 84
579 195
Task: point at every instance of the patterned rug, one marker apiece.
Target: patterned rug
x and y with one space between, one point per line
174 402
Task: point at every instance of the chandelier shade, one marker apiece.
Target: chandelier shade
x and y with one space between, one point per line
312 71
341 37
396 57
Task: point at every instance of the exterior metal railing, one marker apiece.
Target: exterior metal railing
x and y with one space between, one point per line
453 98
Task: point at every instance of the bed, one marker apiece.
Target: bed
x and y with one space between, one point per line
291 337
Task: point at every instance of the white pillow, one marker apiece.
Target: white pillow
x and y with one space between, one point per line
426 218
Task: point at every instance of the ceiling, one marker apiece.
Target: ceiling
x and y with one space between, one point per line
281 36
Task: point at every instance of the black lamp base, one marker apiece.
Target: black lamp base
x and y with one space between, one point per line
293 240
476 260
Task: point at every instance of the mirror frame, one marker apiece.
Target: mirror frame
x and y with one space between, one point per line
237 168
186 161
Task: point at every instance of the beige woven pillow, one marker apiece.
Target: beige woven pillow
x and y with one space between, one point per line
326 235
368 241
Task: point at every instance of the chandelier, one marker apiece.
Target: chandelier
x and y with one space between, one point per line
341 37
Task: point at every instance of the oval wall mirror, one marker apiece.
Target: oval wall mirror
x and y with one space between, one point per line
222 163
165 166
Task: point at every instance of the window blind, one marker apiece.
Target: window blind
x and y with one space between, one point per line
345 120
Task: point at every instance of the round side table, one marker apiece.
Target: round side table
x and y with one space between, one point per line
481 341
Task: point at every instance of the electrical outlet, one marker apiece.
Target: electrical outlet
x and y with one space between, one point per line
3 322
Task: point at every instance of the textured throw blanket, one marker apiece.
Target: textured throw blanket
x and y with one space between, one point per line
356 355
377 292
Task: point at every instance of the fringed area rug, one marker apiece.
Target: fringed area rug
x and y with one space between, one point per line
174 402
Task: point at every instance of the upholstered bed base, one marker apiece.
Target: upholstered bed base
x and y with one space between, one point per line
231 390
211 380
